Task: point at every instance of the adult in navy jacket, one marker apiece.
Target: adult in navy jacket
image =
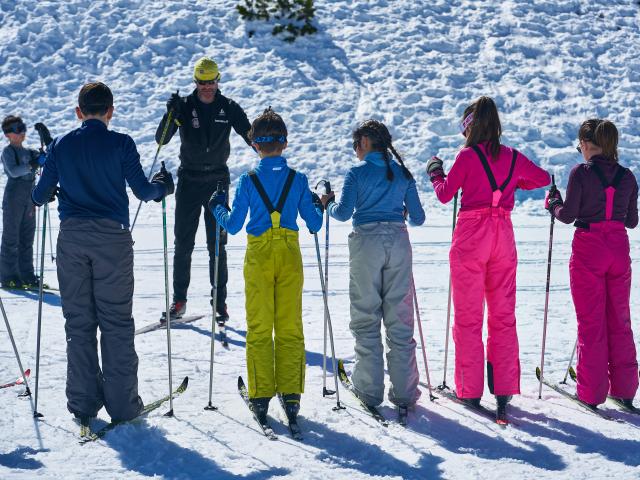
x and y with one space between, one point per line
92 165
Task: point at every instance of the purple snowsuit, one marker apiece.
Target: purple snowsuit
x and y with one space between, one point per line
602 198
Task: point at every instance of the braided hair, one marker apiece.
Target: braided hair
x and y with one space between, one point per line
380 139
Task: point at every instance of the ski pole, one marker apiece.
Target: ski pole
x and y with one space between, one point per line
328 317
27 392
546 300
432 397
219 189
446 341
37 235
53 258
573 352
166 295
40 297
325 390
155 159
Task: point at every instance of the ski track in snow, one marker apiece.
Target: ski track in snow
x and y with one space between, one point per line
415 65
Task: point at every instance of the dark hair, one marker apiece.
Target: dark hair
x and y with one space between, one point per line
485 126
269 124
95 98
603 134
380 139
10 120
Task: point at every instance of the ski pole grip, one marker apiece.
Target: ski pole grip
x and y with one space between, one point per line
219 187
327 187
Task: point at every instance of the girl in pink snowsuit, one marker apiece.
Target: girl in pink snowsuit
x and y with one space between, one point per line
483 257
602 198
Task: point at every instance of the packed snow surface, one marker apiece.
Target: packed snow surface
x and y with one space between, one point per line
413 64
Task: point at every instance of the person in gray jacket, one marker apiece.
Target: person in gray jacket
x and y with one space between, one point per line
18 213
93 165
380 194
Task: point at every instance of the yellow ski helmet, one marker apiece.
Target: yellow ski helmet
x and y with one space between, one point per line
206 69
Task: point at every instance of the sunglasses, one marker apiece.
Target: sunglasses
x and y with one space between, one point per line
356 144
207 82
16 128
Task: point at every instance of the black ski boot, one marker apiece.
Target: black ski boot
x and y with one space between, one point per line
403 413
11 283
176 311
291 403
32 282
260 407
501 411
626 403
222 315
472 402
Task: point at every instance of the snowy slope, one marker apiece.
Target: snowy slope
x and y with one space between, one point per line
413 64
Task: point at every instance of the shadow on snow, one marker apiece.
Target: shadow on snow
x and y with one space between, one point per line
156 455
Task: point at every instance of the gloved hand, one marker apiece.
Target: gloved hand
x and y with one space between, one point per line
43 132
218 198
553 199
37 159
317 202
173 104
434 168
164 178
54 194
328 198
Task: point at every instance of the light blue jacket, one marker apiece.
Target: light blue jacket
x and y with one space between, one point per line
272 173
374 198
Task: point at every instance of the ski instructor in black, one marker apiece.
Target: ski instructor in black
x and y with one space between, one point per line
204 119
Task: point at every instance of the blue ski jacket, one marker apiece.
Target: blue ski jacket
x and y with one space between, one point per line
374 198
272 173
93 165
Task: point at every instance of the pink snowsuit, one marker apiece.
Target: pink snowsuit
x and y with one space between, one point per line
602 196
483 261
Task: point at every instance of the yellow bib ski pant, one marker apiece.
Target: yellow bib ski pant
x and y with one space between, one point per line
273 291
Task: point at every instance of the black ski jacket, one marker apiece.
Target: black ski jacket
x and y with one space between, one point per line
205 144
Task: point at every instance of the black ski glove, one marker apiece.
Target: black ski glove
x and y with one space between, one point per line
218 198
43 132
37 159
317 202
173 104
553 200
164 178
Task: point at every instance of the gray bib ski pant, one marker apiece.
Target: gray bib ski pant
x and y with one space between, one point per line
95 272
380 289
18 230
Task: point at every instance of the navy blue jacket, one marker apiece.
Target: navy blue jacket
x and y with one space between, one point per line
93 165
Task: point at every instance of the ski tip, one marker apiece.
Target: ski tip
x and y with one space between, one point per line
240 381
183 386
573 374
538 373
340 365
27 372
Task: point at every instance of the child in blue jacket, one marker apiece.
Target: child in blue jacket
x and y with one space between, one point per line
379 193
274 194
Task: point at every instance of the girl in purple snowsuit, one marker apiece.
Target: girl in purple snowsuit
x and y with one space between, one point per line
602 199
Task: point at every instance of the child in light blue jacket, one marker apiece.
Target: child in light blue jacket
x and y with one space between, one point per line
379 194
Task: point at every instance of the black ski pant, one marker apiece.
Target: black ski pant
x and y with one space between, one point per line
18 230
192 195
95 272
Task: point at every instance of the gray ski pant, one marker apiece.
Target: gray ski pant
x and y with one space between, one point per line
95 272
18 230
380 289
